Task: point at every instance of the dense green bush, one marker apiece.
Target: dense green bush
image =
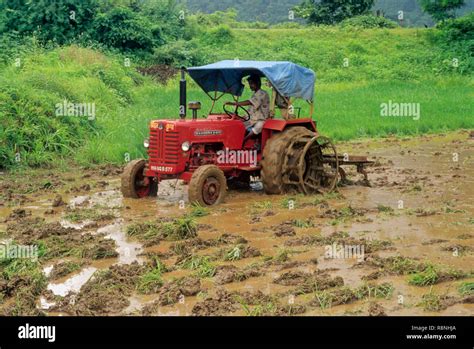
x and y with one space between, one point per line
122 28
137 26
288 25
332 11
460 29
56 20
14 46
278 11
29 128
30 94
369 21
371 54
441 10
456 38
169 18
246 10
179 53
225 18
220 35
228 17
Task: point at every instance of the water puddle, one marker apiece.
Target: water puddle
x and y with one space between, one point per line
45 304
78 226
128 250
72 284
79 200
171 191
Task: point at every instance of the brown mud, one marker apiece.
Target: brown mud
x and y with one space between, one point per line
402 246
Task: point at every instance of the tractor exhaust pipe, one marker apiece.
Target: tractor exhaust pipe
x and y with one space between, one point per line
182 94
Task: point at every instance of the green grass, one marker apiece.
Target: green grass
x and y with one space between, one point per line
383 208
384 290
145 230
180 228
287 201
430 301
427 277
344 214
396 54
433 275
282 256
82 214
466 288
323 299
199 210
65 268
301 223
259 309
234 253
152 280
33 282
353 110
261 205
201 264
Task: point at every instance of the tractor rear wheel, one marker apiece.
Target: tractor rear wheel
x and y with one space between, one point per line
208 186
134 183
298 159
273 158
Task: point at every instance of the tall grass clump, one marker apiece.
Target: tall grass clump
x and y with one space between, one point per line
34 132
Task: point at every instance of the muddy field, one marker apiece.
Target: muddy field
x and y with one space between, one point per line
411 233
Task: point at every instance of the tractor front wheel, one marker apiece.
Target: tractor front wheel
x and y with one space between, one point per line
208 186
134 183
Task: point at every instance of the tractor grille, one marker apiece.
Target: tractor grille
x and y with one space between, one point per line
164 147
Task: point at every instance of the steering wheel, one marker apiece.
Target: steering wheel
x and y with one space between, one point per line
231 114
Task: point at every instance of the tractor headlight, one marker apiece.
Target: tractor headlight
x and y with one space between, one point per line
186 146
146 143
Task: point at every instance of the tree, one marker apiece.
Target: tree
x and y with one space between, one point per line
124 29
127 25
441 10
59 20
332 11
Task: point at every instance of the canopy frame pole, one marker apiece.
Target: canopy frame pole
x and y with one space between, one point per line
272 104
291 109
214 99
288 103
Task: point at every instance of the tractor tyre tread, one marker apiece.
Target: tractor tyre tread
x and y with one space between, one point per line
197 181
128 177
273 158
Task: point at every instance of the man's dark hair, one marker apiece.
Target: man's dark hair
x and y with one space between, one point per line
256 79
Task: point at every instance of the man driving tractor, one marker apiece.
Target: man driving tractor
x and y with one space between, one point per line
259 107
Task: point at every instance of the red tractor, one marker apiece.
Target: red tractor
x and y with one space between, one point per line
288 155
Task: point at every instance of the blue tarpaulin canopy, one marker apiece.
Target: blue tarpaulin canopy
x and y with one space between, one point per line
289 79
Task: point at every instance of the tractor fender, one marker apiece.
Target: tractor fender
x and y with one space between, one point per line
275 125
279 124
